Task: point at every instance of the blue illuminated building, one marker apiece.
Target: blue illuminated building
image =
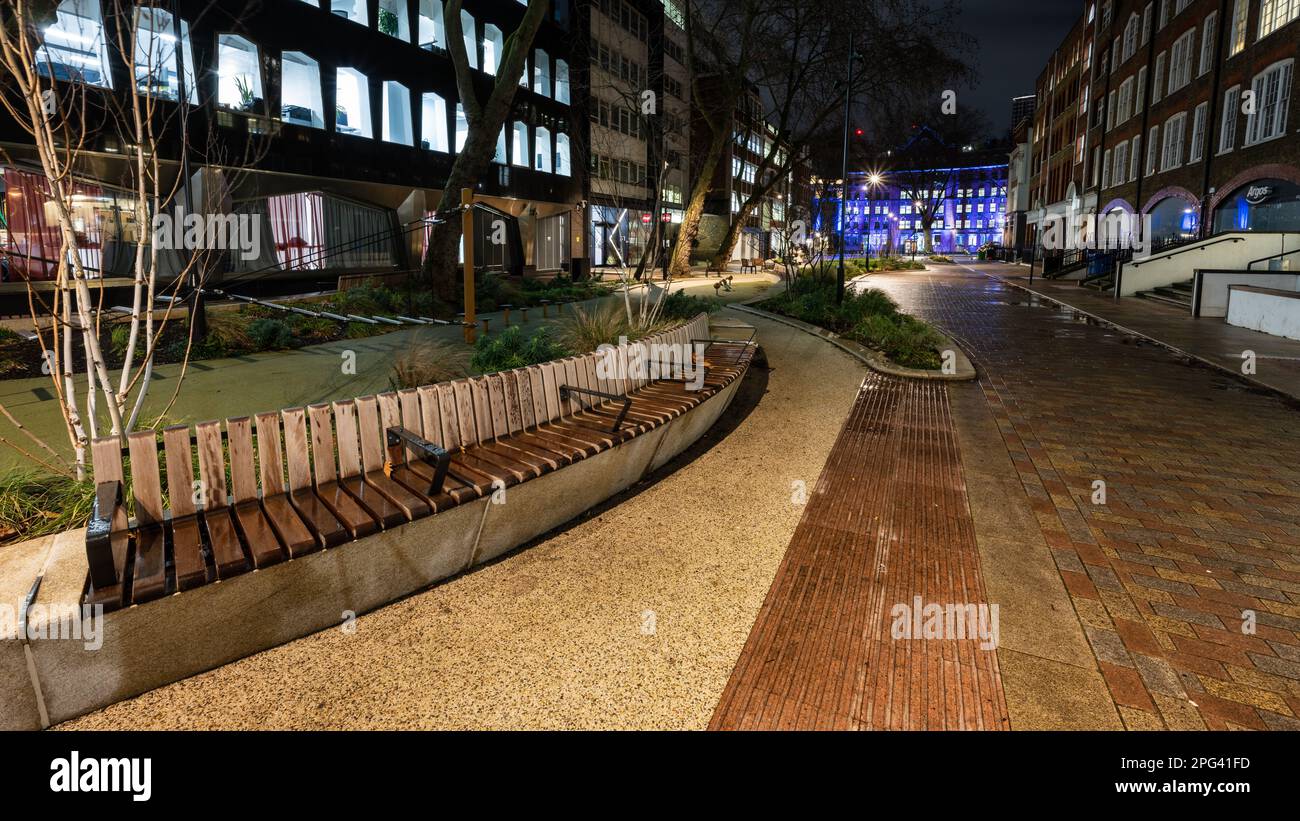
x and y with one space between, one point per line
969 213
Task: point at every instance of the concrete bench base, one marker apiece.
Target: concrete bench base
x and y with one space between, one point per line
147 646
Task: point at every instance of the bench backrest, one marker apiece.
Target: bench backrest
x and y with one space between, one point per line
275 452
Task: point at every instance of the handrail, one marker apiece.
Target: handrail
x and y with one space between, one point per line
1189 247
1281 253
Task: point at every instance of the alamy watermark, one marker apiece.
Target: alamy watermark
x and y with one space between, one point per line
208 232
684 361
1118 230
919 620
54 622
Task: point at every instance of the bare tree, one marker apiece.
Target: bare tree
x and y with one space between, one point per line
908 47
66 117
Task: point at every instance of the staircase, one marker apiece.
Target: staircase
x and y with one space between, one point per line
1179 294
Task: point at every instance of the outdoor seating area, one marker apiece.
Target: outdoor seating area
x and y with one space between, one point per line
231 537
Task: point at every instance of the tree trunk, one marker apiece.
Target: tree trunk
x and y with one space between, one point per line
690 228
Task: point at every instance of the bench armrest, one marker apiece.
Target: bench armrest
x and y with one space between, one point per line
99 532
565 390
441 459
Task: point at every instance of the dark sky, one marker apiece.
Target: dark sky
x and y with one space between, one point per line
1013 39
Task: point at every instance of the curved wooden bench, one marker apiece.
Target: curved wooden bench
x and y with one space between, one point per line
283 485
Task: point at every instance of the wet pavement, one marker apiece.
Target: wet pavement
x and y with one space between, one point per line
1167 491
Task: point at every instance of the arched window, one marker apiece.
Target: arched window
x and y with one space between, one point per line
542 152
542 73
492 45
431 34
239 73
300 94
75 46
562 166
469 32
397 113
519 147
352 103
433 123
561 82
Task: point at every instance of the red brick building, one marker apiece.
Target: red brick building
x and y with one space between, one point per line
1178 109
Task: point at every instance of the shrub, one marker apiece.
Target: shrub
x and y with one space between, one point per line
511 349
681 305
428 362
270 334
7 335
868 316
586 330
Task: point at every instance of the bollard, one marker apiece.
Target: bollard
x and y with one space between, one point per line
546 303
505 316
523 316
486 330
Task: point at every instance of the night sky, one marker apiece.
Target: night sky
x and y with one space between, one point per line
1013 39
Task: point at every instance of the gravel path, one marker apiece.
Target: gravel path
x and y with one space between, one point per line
631 618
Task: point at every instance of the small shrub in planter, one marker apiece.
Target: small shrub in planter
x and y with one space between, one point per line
270 334
511 349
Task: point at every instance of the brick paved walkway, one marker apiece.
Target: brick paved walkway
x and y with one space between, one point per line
1200 531
888 521
1185 582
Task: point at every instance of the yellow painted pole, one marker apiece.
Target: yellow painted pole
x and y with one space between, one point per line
467 240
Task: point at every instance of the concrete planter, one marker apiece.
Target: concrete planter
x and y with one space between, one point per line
145 647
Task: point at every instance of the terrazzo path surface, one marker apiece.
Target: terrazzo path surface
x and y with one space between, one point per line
631 618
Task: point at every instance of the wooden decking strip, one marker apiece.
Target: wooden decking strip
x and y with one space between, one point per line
887 521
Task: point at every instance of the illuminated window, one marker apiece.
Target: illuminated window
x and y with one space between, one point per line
562 166
155 57
468 31
393 20
431 33
75 46
397 113
239 73
355 10
300 91
352 110
462 127
519 146
542 151
433 123
492 46
561 82
541 73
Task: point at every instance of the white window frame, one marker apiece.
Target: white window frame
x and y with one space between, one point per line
1197 151
1268 120
1228 122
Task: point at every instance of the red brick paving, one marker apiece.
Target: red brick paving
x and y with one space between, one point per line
1202 513
888 521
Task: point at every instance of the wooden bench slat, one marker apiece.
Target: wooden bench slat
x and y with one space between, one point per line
374 457
294 533
187 542
228 556
150 571
260 538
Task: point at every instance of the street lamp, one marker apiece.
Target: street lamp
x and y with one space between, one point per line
874 181
844 169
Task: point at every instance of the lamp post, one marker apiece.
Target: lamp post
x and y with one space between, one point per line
844 171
